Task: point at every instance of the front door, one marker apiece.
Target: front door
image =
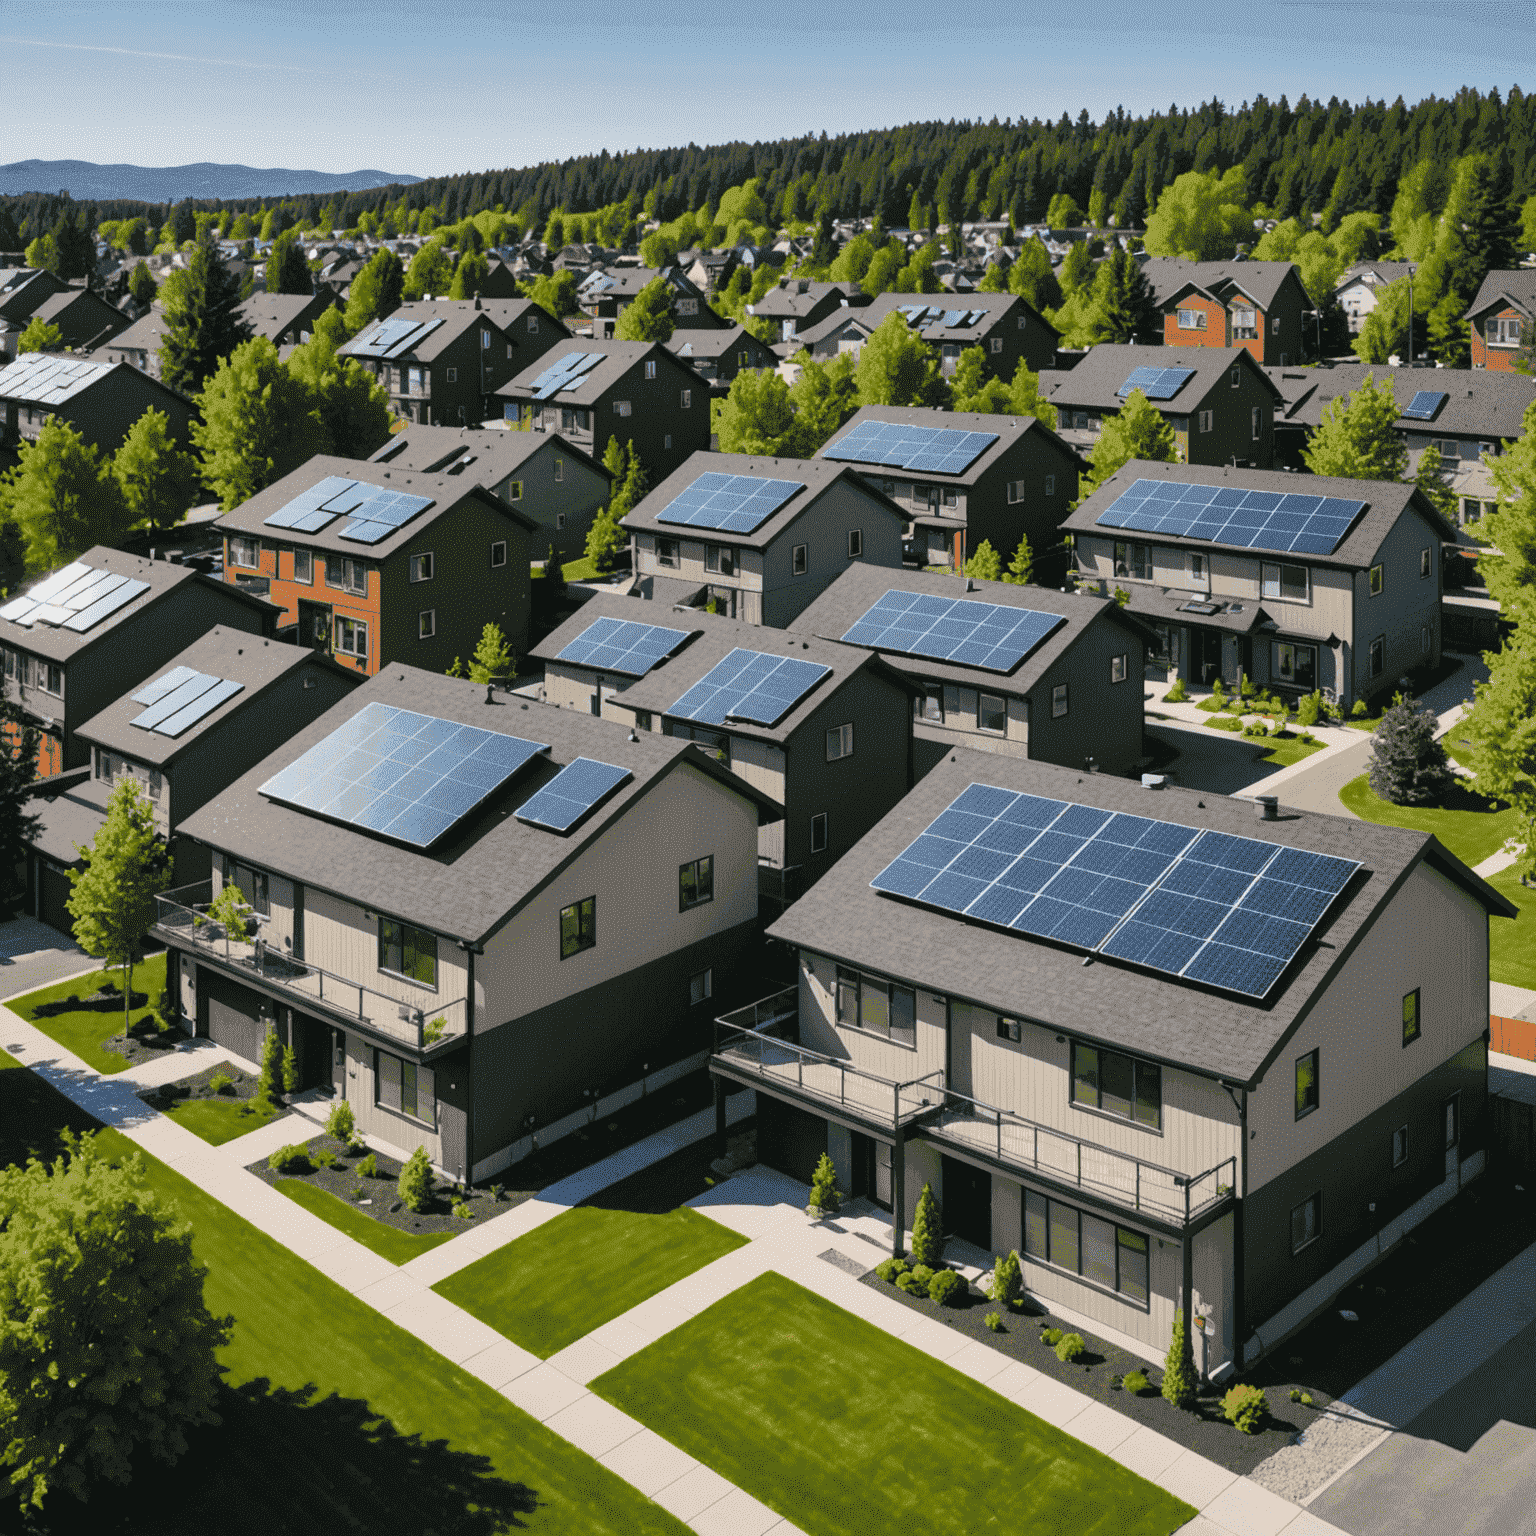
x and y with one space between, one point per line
315 625
1208 642
339 1062
967 1203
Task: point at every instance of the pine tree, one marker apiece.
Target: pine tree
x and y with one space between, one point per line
985 563
1408 764
1007 1278
1179 1368
554 576
271 1064
1127 309
927 1231
492 660
142 286
415 1186
202 323
375 291
826 1197
632 492
287 270
1021 569
1357 437
605 538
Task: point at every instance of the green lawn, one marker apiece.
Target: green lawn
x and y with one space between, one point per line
584 1268
1512 944
1284 753
1465 824
82 1029
846 1431
386 1241
221 1119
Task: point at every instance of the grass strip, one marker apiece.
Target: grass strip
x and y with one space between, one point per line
82 1029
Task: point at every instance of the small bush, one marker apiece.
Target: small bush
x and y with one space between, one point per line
994 1321
415 1184
271 1064
1306 1399
1007 1278
1359 712
946 1288
1179 1371
892 1269
927 1230
357 1194
290 1159
498 1193
1069 1347
1178 693
923 1273
221 1082
464 1210
324 1158
1135 1382
1246 1407
355 1148
1219 695
1246 685
341 1122
368 1168
290 1070
911 1285
826 1197
1051 1336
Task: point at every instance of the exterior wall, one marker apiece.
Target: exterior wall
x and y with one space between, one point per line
744 589
897 1063
823 529
1038 517
1215 332
1231 433
391 1125
1104 718
574 687
1407 604
104 413
1496 358
959 727
563 509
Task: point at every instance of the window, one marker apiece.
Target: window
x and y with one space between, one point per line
514 490
559 471
1133 560
346 574
1098 1251
1306 1222
666 552
1400 1146
1274 330
1117 1085
650 368
696 883
533 325
403 1086
1191 319
1015 492
1199 570
1010 1030
50 678
421 568
855 543
1237 376
1296 664
687 399
409 952
1426 564
687 306
559 519
1306 1084
1289 582
797 560
1119 667
701 987
1424 639
930 706
991 713
621 407
1023 322
840 742
351 638
1378 655
485 341
1207 421
245 552
1244 324
716 743
426 623
251 883
720 560
819 832
1502 332
1258 423
1376 581
877 1006
951 499
666 442
453 375
1058 701
997 344
1048 485
578 927
1411 1027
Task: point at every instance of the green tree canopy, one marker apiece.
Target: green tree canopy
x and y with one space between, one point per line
824 396
985 563
64 496
376 291
757 415
1063 212
897 367
1033 278
142 286
39 336
1126 308
469 276
1408 761
648 316
157 479
1021 569
1076 267
353 407
287 269
493 659
1357 437
429 273
1201 216
1431 479
556 294
1137 431
202 323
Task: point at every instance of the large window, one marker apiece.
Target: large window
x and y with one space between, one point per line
426 623
1503 331
797 560
1411 1026
1306 1222
1285 581
1296 664
819 832
251 883
696 883
578 927
422 568
304 566
1110 1256
877 1006
347 574
407 951
1306 1084
720 560
1117 1085
245 552
404 1087
1245 326
1119 667
1133 559
1058 701
667 552
351 638
1192 320
1377 581
498 553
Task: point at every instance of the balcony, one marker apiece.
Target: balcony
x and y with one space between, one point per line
182 919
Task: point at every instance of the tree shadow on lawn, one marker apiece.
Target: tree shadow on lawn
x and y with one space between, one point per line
108 1000
286 1461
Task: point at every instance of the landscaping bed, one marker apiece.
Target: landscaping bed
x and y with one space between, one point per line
218 1103
85 1016
1471 826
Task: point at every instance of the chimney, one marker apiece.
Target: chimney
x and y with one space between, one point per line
1268 807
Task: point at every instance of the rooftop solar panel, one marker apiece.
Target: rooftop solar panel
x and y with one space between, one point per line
46 378
749 685
621 645
1228 912
77 598
417 335
993 636
407 776
927 450
162 685
188 716
306 507
177 698
573 792
1425 403
729 503
1291 522
1156 383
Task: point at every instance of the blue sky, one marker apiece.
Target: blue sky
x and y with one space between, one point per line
334 85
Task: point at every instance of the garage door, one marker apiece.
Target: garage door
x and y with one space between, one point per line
788 1138
54 891
231 1014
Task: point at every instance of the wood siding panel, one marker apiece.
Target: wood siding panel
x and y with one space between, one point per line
819 1030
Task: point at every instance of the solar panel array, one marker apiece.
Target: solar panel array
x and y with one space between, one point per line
1228 912
408 776
749 685
729 503
46 378
78 598
993 636
932 450
621 645
1156 383
1424 405
564 372
577 789
935 314
390 338
180 698
375 511
1280 520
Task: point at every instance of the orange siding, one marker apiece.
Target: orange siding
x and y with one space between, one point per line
1214 334
1494 359
1512 1037
276 565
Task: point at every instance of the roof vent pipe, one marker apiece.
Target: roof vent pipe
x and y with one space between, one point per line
1153 780
1268 807
970 586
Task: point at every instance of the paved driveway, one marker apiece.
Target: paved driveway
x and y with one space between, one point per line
34 955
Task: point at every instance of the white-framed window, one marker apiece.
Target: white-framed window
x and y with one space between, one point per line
244 552
346 574
930 704
304 566
426 623
840 742
1133 560
621 407
514 490
819 832
485 341
1244 324
996 345
855 543
1207 421
1503 331
798 560
701 987
1378 580
667 552
1058 701
559 471
422 567
533 325
50 678
650 367
351 638
992 714
498 553
1274 329
1192 320
453 375
720 560
1119 667
687 399
1291 583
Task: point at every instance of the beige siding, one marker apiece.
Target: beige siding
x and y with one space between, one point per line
760 763
819 1030
569 687
1433 936
389 1125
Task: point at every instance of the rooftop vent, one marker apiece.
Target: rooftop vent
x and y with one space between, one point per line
1153 780
1268 807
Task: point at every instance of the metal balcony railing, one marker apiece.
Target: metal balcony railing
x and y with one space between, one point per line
182 919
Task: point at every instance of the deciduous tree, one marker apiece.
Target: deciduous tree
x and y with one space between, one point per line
1201 216
39 336
287 270
1357 437
157 479
897 367
648 316
376 291
64 496
493 659
1137 431
429 273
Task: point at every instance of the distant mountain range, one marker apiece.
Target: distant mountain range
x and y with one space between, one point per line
87 182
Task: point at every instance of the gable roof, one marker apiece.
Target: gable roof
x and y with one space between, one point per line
998 307
620 358
144 335
1150 1014
486 455
1385 272
712 342
1516 289
1101 371
108 320
270 314
1259 280
1482 403
457 316
59 379
792 297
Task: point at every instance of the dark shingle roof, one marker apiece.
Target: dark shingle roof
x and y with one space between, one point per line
1517 287
69 818
1482 403
487 454
457 315
998 306
620 358
1260 280
1156 1016
1103 369
711 342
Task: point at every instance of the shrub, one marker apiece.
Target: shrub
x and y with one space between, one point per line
290 1070
1295 1394
927 1233
271 1064
923 1273
355 1148
1306 1399
1219 695
324 1158
946 1288
994 1321
290 1159
357 1193
1069 1347
464 1210
892 1269
1179 1372
497 1192
415 1183
1135 1382
1178 693
368 1168
1246 685
1051 1336
911 1285
1408 761
826 1197
434 1030
221 1082
1246 1407
341 1122
1007 1278
1359 712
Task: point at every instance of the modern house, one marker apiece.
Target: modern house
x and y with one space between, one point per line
607 292
475 911
824 730
1219 402
1008 329
217 709
965 478
1021 671
758 538
719 355
100 400
1358 287
601 391
1500 318
82 636
23 289
1260 306
379 565
1297 582
285 319
1176 1057
85 320
795 303
139 344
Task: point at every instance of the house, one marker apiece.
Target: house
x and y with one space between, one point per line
1188 1105
556 486
442 360
964 478
1298 583
843 330
1258 305
23 289
1358 286
710 270
285 319
758 537
606 293
1499 316
101 400
500 281
1008 329
794 303
832 746
1219 402
719 355
84 319
100 626
139 343
546 905
1058 679
635 392
212 712
379 565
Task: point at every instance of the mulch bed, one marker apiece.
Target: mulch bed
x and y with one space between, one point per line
243 1085
146 1041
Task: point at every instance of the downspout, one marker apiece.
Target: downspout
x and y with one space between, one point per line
1239 1267
469 1068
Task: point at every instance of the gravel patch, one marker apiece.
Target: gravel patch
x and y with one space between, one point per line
1320 1453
